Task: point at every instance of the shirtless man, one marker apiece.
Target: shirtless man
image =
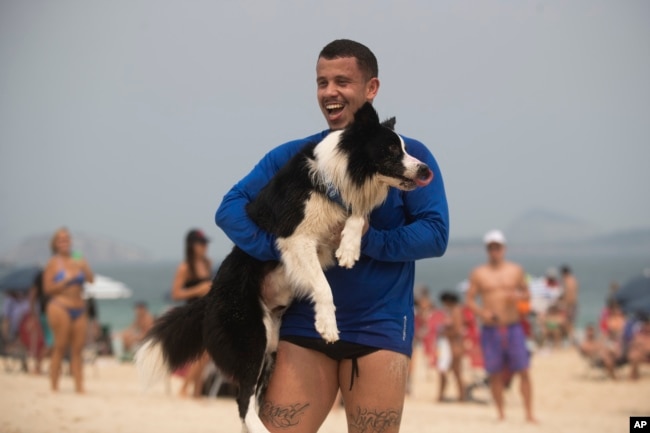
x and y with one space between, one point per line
501 284
570 297
597 352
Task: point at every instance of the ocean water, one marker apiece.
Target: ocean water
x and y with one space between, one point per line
595 272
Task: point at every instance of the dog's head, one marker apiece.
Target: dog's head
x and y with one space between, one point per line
375 150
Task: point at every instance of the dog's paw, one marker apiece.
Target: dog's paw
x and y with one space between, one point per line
326 327
347 255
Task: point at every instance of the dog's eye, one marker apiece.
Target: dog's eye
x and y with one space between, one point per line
395 149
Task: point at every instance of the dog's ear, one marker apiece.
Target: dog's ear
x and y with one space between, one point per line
366 115
389 123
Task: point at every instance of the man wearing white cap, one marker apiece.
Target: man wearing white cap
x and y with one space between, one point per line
501 285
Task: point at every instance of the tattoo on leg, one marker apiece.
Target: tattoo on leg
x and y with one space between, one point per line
282 416
374 421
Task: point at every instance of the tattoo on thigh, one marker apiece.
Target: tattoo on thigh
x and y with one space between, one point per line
374 421
282 416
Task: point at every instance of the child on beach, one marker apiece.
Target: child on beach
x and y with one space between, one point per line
450 344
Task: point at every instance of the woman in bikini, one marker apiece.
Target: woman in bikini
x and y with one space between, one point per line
63 281
193 280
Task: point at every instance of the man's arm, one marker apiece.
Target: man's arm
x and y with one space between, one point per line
428 231
231 216
524 291
487 316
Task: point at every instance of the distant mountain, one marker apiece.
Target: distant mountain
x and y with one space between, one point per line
96 249
544 231
627 238
539 226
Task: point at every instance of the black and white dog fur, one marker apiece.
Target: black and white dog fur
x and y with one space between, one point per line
233 322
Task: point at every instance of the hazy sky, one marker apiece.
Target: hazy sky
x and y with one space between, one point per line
132 119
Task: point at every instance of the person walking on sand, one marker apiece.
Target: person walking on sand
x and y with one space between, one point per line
193 279
63 281
501 285
450 345
570 288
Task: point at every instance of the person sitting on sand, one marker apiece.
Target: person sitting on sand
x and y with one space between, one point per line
639 349
142 323
554 321
597 352
614 329
14 310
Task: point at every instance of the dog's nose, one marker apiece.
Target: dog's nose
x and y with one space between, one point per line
424 175
424 172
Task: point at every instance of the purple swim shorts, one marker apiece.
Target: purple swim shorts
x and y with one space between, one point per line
504 347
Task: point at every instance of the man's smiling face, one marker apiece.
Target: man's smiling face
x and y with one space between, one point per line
342 89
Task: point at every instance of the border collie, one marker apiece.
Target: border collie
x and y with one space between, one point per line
332 184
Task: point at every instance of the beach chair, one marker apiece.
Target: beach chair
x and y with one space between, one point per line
593 365
595 368
621 361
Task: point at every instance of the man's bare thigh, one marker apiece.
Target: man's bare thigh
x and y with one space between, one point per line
301 390
375 402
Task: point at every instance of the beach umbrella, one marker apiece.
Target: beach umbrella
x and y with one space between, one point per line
106 288
19 280
634 295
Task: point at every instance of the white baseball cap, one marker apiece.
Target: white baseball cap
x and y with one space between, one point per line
494 237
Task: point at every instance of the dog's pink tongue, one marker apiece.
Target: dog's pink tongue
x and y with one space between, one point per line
424 181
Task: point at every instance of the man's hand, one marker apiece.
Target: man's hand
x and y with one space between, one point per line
488 317
204 288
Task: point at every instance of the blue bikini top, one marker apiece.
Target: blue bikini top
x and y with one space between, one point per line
78 279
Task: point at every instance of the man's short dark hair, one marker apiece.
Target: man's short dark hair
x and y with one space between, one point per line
366 60
449 297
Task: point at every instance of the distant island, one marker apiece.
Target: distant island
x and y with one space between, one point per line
534 232
545 231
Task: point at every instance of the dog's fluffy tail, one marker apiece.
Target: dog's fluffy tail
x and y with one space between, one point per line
175 339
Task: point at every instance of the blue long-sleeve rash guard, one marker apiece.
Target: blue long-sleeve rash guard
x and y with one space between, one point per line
374 300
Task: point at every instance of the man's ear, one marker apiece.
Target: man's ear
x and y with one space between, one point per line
389 123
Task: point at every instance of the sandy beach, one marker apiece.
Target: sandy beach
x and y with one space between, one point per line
569 397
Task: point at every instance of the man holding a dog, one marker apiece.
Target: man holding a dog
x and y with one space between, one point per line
374 299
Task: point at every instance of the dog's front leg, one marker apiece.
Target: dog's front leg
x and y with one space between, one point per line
350 248
300 258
